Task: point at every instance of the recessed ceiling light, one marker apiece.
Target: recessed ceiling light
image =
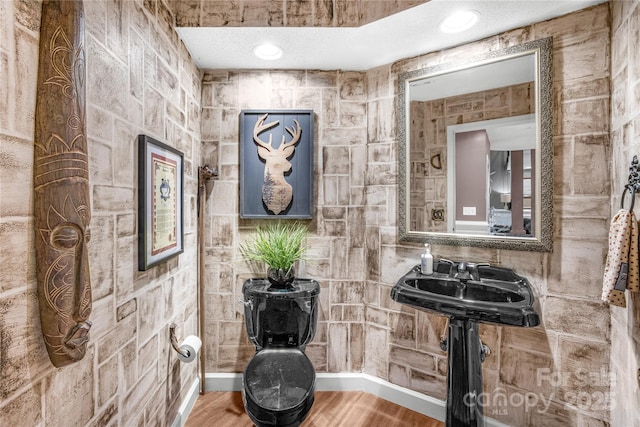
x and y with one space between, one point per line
268 51
459 21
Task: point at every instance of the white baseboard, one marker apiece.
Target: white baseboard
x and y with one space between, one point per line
418 402
402 396
187 404
223 382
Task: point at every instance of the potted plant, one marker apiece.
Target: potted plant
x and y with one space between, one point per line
278 246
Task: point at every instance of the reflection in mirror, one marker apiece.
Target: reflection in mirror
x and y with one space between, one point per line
490 173
475 150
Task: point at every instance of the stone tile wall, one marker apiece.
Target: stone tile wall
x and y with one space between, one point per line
354 232
625 142
287 13
140 79
337 246
574 340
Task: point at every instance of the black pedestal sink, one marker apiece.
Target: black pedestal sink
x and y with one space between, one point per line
468 294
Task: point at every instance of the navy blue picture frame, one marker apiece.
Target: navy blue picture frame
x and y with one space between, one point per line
252 167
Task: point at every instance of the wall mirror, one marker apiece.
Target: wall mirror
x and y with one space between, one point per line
475 151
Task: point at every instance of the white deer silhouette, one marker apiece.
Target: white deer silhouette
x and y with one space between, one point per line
276 191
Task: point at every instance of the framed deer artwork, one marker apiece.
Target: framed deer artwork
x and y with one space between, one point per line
276 164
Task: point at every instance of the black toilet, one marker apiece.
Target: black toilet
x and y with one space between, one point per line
279 381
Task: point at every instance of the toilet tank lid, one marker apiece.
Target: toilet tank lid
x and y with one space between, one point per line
300 288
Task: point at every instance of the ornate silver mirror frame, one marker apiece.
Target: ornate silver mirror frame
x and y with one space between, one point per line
542 186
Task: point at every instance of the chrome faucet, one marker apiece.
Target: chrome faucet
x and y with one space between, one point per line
469 270
464 271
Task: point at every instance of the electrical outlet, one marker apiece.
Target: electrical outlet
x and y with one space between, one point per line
468 210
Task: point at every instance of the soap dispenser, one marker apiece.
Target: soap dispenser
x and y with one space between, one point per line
426 265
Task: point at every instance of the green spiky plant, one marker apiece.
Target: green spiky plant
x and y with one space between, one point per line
278 245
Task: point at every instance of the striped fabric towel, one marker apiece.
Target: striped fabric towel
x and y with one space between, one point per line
621 270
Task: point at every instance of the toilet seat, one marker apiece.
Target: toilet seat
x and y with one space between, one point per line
278 386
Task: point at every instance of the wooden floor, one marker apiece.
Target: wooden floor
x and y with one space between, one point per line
330 409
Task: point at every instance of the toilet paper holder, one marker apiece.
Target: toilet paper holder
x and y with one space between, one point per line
174 342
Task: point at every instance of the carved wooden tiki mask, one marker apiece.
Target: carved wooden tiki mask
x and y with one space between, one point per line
61 184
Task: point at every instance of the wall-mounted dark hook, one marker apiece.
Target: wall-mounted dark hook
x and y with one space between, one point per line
205 173
633 184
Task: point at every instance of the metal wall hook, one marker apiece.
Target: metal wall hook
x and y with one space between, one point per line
633 185
174 341
633 198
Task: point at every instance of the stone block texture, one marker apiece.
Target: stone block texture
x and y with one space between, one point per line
336 245
142 80
356 255
521 374
286 13
625 143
